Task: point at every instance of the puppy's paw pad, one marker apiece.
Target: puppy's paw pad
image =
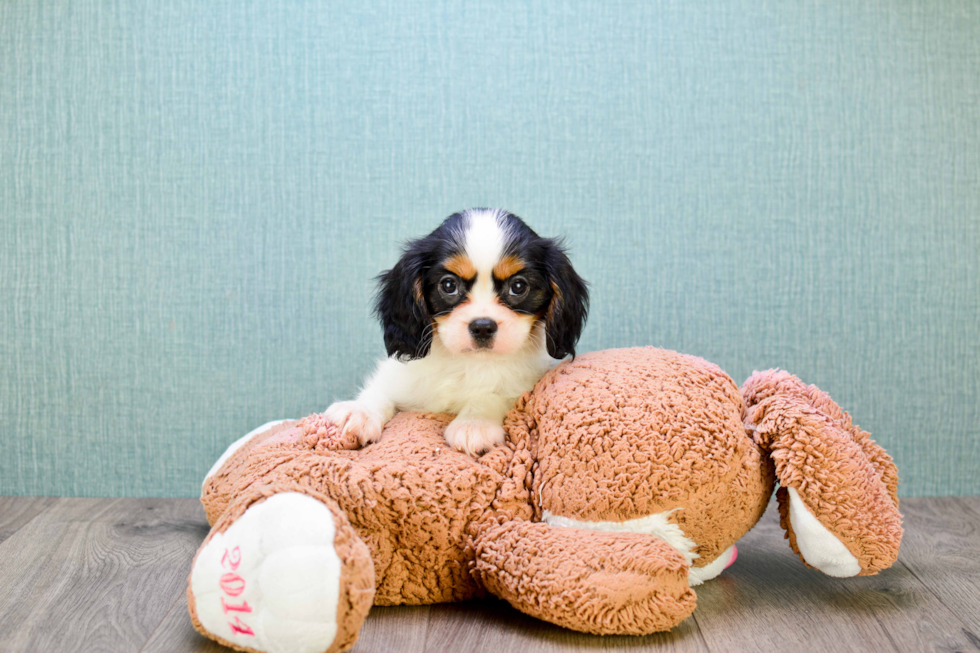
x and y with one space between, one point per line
474 437
354 418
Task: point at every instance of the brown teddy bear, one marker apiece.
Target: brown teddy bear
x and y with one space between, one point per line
626 478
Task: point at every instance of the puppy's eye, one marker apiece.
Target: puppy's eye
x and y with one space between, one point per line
448 286
518 287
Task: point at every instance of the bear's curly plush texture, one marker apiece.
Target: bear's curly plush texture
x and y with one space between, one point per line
622 435
623 470
814 444
622 583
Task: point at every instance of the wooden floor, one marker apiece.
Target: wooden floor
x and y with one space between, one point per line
109 575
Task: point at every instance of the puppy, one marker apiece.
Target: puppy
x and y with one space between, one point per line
473 315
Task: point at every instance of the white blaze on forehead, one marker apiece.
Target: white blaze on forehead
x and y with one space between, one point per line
484 245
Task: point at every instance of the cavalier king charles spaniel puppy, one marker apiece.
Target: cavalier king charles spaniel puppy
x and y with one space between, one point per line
473 315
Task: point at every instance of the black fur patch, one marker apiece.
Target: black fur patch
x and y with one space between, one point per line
409 296
401 303
556 291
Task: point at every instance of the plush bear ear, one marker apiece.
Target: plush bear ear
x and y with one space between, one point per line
400 305
566 314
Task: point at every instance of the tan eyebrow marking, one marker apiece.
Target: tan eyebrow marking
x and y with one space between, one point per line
507 267
461 266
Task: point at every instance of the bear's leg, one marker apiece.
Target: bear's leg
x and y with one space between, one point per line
224 479
282 570
838 498
241 464
238 444
591 581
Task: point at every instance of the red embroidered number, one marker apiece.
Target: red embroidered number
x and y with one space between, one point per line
233 585
231 559
239 627
244 607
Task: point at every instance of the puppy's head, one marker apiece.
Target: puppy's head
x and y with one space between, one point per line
481 283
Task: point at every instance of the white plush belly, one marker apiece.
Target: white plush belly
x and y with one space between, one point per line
660 527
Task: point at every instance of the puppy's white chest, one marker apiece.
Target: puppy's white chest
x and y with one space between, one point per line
451 385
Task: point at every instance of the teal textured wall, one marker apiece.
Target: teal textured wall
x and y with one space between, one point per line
195 196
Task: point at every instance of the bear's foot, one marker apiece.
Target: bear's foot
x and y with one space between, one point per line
838 495
712 570
284 574
818 546
598 582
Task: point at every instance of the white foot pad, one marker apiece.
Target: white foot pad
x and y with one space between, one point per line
698 575
271 582
818 546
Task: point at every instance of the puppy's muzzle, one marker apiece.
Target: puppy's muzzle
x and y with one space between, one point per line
482 329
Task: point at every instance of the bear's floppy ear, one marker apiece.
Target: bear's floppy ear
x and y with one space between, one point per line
400 305
565 316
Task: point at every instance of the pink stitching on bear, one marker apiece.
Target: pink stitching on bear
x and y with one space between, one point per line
233 585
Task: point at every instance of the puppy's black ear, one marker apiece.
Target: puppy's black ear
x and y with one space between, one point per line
565 316
400 305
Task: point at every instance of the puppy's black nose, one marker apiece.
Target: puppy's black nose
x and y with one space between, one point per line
483 328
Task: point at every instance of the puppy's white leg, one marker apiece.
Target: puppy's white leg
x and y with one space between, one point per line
479 426
366 416
357 418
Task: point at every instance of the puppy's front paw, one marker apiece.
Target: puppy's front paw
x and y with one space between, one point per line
355 419
474 436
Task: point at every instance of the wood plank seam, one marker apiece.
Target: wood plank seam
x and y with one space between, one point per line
51 501
697 625
162 619
888 635
926 587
